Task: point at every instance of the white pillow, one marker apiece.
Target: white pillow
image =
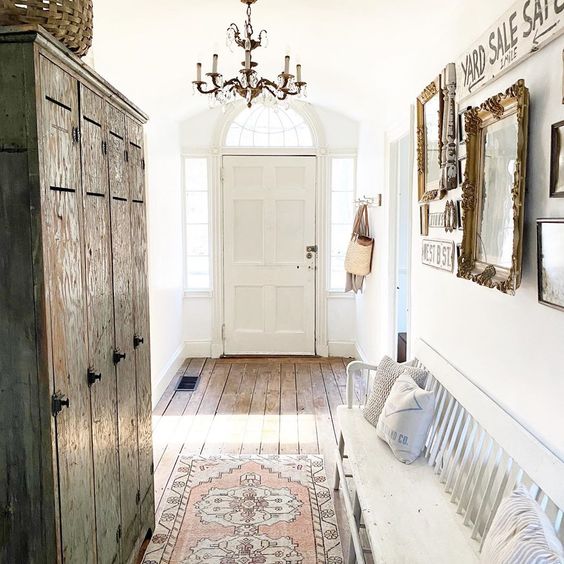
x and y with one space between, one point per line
406 418
521 533
387 373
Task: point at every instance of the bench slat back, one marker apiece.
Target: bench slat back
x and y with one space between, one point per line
479 453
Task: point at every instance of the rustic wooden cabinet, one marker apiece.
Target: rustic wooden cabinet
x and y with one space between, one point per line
76 471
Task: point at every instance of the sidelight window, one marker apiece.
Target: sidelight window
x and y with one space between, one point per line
343 181
197 242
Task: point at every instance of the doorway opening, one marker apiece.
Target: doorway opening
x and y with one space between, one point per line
270 244
401 177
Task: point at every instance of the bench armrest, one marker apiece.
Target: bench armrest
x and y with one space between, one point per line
352 367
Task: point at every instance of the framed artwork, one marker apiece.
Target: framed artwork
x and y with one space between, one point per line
424 220
461 127
459 215
461 166
493 190
557 161
430 113
550 241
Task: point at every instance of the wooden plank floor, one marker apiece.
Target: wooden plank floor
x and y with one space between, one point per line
249 406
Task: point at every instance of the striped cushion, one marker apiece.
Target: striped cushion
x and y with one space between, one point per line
521 533
386 375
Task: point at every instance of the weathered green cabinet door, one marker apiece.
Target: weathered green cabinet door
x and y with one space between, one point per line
62 201
120 211
100 314
141 323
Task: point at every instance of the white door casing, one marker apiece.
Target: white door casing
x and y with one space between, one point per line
269 281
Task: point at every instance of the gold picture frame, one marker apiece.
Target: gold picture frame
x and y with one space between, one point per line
493 191
430 115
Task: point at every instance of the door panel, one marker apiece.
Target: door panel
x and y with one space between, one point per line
269 286
100 313
126 381
142 358
136 160
62 213
120 213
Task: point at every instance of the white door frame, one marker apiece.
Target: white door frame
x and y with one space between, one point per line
321 231
392 158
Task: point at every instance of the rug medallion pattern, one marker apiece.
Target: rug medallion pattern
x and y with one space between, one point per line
247 510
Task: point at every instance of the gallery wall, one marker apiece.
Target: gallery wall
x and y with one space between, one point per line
510 346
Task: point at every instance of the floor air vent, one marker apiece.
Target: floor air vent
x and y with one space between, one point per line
187 384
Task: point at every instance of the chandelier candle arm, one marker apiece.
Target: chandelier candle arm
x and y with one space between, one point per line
248 85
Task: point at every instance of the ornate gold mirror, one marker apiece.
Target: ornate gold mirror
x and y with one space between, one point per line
430 110
494 189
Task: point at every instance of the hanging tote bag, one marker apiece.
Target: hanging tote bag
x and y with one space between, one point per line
358 260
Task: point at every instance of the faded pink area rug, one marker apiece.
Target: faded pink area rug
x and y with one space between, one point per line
247 510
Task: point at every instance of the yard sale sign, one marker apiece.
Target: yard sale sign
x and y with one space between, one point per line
527 27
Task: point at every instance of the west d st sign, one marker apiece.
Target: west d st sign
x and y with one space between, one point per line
527 27
439 254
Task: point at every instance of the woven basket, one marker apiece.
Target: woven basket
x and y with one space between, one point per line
68 20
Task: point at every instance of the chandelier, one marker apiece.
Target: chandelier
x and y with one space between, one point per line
248 85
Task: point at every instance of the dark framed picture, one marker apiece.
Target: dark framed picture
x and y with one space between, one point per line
461 166
557 161
459 215
461 126
424 220
550 241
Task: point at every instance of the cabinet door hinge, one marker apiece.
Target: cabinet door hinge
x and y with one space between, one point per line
222 174
118 533
126 156
104 147
223 332
138 497
142 164
152 468
76 134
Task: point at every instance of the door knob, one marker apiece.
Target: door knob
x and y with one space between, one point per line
309 255
137 340
93 376
118 356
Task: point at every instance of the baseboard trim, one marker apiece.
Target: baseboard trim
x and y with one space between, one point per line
168 374
346 349
198 349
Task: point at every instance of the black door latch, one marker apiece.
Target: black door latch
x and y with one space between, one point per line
93 376
137 340
58 401
118 356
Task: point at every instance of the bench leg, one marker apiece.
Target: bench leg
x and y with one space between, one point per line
341 453
356 512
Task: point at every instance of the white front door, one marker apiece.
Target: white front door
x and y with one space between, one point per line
269 276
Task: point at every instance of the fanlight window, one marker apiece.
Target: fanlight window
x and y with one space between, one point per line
264 126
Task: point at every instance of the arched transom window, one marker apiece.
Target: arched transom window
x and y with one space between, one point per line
265 126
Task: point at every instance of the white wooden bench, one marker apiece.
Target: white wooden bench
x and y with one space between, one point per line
439 509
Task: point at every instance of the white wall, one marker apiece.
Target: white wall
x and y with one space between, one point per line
371 308
165 250
199 135
512 347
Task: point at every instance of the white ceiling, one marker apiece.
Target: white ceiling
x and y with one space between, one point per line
364 58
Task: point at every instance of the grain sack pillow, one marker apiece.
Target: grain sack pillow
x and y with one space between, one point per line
387 373
406 418
521 533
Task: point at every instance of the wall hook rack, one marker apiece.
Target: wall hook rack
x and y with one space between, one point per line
370 201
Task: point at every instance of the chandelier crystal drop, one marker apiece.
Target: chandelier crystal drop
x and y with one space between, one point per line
248 84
